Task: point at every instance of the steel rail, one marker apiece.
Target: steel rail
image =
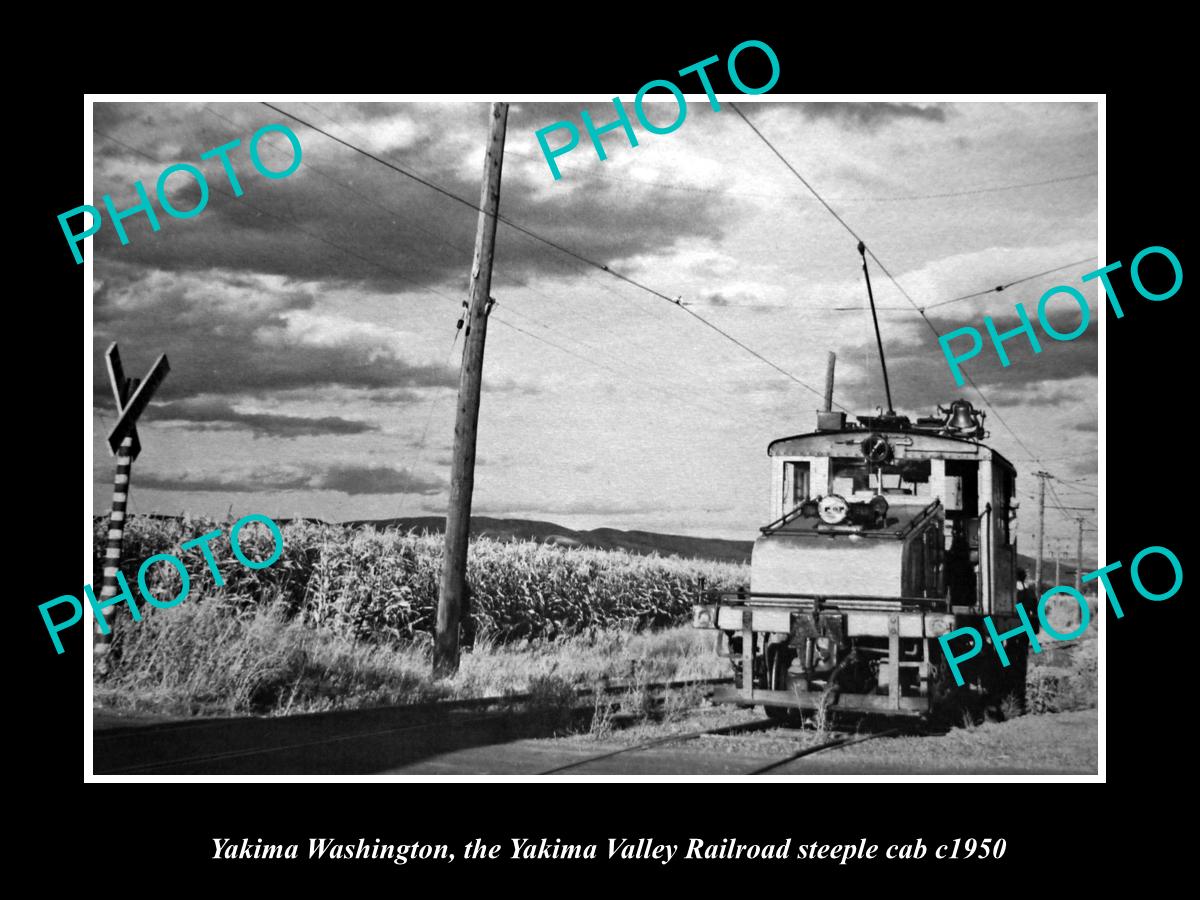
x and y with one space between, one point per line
757 725
829 745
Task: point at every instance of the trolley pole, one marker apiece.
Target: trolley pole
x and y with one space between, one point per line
462 473
830 363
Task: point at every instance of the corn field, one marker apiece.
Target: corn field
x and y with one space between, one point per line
381 587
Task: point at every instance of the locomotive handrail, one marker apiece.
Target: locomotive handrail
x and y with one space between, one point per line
819 600
756 595
783 520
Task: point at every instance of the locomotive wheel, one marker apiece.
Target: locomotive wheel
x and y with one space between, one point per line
778 661
950 701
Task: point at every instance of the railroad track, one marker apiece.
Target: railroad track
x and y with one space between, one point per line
365 741
739 728
361 740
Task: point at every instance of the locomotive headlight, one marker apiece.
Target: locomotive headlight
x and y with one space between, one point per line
824 645
704 617
876 449
833 509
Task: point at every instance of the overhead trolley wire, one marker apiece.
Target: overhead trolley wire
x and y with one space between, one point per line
550 243
885 271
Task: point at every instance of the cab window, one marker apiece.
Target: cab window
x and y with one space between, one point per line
795 484
900 477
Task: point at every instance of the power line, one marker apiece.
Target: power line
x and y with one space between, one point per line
557 246
278 218
1073 481
998 288
654 373
1061 508
986 190
666 185
1050 458
444 242
550 243
1068 487
1001 287
309 166
565 263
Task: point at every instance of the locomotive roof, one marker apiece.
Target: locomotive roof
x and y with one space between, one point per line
930 443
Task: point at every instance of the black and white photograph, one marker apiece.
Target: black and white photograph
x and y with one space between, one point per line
687 435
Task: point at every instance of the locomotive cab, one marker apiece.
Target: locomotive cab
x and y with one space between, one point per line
885 535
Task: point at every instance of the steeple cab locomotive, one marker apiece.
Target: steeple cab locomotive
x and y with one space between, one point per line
885 535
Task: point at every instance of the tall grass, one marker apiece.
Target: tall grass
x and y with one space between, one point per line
344 618
382 586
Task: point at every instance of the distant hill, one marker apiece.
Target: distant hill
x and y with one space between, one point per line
642 542
1067 577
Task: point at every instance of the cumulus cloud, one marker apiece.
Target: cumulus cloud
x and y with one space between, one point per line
342 213
872 115
230 333
346 355
219 414
917 367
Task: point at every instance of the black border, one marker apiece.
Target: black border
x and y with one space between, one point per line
1148 409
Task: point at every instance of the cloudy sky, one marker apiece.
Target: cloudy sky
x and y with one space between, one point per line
310 323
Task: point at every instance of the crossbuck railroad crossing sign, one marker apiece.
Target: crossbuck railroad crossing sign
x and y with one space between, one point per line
132 396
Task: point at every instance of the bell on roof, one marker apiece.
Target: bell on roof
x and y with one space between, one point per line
962 419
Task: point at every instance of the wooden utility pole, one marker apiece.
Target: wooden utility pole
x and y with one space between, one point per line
1057 566
1079 554
1037 570
462 473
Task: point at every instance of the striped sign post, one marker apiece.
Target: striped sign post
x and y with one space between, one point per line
132 396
